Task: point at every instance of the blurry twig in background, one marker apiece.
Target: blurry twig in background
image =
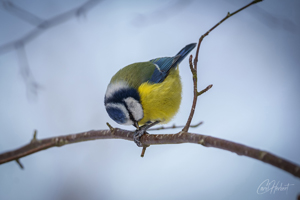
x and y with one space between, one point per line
41 25
32 86
174 126
193 65
272 20
159 15
21 13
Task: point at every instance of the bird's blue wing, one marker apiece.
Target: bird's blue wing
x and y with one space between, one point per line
163 65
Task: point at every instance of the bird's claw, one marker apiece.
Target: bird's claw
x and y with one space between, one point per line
137 136
140 131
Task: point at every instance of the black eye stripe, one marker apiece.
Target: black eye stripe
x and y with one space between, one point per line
130 114
122 94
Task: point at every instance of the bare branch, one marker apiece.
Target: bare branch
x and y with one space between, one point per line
215 26
144 150
174 126
19 163
31 85
193 66
152 139
21 13
45 24
204 90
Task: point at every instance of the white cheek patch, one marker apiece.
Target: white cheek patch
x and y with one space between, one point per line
123 109
135 108
113 87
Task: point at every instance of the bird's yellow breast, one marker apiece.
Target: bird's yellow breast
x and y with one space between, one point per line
161 101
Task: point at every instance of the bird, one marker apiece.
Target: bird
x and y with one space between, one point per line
144 94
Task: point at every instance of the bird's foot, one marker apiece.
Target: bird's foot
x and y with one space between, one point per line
140 131
137 136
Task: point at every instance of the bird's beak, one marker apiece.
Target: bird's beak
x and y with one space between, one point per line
136 125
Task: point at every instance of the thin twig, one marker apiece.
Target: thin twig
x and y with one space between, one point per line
144 150
153 139
22 14
204 90
34 139
46 24
20 164
41 25
31 85
174 126
215 26
194 66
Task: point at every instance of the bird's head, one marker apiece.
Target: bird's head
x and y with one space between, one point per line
123 104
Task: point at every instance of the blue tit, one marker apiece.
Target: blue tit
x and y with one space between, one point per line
146 93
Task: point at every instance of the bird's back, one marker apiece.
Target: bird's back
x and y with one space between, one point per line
135 74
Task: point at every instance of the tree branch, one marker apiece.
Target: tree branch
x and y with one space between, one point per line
32 86
21 13
43 25
152 139
193 66
174 126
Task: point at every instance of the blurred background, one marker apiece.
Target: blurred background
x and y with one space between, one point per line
56 82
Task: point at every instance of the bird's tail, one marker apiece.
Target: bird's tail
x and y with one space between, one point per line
163 65
183 53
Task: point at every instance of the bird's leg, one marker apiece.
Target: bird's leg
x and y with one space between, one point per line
147 126
137 135
140 131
